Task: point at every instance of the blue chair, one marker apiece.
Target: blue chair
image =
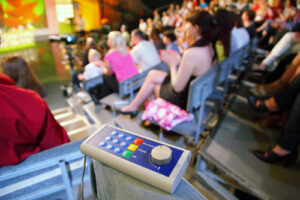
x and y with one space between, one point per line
88 84
44 173
94 88
199 91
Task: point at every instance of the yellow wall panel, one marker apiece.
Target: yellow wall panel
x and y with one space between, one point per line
90 12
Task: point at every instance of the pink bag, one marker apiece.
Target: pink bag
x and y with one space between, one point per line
166 114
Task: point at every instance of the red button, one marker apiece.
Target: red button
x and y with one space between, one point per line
137 141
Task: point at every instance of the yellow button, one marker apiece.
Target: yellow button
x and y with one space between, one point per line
132 147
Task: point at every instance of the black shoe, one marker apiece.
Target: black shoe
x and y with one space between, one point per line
64 91
252 101
131 113
274 158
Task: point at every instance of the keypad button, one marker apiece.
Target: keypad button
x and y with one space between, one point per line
138 141
118 150
114 133
122 135
124 144
110 147
108 138
127 154
102 144
116 141
132 147
130 138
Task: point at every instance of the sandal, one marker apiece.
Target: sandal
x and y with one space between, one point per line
258 91
252 100
272 157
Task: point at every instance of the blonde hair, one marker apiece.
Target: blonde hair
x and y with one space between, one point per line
118 42
94 55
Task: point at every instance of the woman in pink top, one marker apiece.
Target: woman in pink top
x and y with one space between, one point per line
118 64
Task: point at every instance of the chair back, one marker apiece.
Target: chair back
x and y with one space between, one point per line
202 87
127 87
88 84
44 173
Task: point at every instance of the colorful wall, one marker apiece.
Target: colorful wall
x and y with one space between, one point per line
89 11
25 13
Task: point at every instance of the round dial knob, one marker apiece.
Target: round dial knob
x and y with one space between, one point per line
161 155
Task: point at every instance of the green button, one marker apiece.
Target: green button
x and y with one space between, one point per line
127 154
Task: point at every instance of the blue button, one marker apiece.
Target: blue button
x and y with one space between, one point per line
114 133
130 138
118 150
116 141
102 144
110 147
122 135
108 138
124 144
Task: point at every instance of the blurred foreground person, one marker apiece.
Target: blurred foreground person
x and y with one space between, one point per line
26 124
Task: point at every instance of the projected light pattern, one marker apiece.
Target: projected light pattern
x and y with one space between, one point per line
22 13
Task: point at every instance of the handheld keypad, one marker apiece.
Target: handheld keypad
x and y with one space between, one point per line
157 163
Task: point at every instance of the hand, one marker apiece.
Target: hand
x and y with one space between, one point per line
80 77
172 58
100 63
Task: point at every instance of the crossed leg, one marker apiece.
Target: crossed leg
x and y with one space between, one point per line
151 86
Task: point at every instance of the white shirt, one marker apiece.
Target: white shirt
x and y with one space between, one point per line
91 70
143 26
145 55
239 38
286 45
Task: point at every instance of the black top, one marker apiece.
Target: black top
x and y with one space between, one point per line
179 98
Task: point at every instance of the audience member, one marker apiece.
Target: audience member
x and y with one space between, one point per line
240 5
247 18
144 52
118 64
125 33
91 70
239 35
26 124
156 17
273 88
196 60
203 5
225 24
169 40
155 38
165 19
143 25
287 145
89 44
21 73
288 44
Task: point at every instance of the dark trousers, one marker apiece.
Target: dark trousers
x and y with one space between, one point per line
110 85
75 80
285 99
289 98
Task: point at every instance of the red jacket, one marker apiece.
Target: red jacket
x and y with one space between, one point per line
26 124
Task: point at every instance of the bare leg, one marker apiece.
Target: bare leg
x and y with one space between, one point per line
153 80
288 76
